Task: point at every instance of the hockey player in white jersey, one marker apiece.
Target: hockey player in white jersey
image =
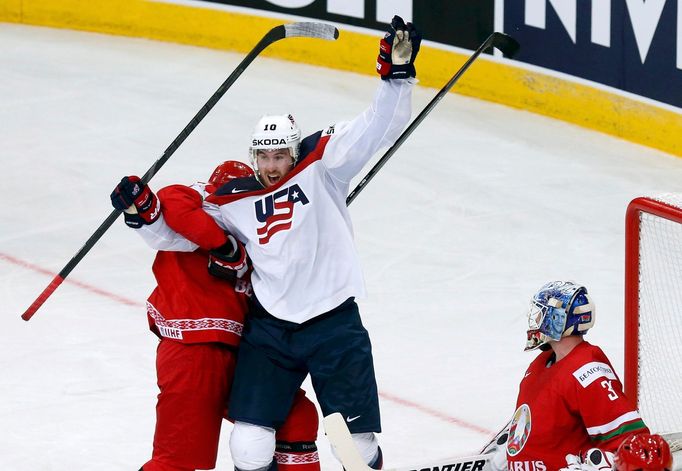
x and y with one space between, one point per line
292 218
298 234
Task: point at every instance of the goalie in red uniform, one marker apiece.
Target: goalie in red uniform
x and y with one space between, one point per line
199 319
571 412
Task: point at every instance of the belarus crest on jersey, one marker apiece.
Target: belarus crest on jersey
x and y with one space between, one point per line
276 211
519 430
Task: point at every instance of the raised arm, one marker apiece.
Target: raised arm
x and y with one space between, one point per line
353 143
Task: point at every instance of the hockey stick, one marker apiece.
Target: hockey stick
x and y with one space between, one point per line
505 43
344 448
292 30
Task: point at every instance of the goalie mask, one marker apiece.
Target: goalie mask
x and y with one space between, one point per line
643 452
558 309
275 132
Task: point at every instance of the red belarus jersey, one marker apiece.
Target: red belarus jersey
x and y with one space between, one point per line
189 304
568 407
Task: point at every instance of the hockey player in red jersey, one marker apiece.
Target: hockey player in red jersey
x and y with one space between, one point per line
643 452
571 412
199 320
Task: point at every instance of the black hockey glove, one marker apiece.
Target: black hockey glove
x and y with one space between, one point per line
139 204
229 261
398 50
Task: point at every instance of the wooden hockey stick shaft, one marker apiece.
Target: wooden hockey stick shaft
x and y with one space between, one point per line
305 29
505 43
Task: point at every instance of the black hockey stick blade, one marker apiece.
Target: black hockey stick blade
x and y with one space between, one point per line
506 44
291 30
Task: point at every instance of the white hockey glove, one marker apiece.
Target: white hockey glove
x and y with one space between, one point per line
398 50
498 449
593 459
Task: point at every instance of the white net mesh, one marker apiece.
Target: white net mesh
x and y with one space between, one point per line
675 442
660 319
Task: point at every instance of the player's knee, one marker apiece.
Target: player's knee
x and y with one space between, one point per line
252 446
368 446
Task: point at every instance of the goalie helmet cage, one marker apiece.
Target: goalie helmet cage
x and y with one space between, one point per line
653 305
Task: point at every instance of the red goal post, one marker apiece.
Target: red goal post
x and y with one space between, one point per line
653 309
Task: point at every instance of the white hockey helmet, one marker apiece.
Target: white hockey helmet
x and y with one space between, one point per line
275 132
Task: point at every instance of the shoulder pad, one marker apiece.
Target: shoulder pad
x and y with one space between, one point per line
308 144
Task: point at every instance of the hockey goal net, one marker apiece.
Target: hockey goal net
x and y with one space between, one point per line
653 311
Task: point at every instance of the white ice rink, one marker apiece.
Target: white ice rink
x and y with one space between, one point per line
480 207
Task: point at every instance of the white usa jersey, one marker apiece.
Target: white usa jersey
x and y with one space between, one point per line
298 233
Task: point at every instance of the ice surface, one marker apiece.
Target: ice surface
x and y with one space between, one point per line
480 207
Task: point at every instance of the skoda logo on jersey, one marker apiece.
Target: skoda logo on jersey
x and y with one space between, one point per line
519 430
276 211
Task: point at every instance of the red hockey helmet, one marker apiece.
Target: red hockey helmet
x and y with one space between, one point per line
229 170
644 452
